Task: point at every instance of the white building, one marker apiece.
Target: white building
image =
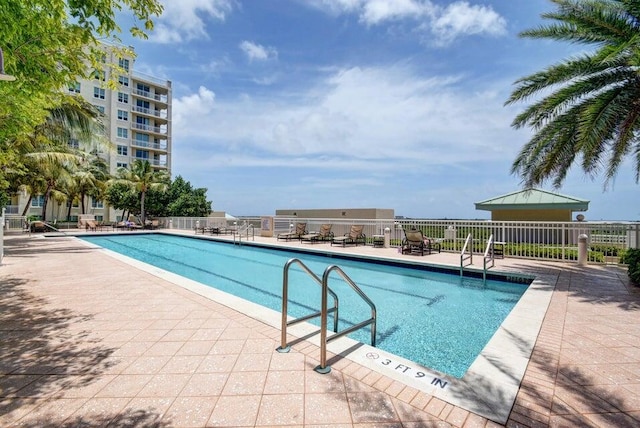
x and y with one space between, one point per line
137 119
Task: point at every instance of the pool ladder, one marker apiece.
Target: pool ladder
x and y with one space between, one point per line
488 260
324 311
243 229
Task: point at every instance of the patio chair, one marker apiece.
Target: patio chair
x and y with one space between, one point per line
325 234
301 229
355 236
90 225
415 242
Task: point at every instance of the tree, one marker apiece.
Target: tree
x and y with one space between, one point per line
121 196
180 200
142 177
47 46
90 178
590 105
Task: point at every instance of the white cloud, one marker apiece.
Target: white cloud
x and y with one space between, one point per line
186 19
460 18
256 52
446 24
356 119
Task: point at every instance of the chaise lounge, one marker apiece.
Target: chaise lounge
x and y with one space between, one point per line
301 229
416 243
325 234
355 236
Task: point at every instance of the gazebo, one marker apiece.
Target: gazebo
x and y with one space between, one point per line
533 205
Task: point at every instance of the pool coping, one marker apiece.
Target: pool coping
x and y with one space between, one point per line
488 388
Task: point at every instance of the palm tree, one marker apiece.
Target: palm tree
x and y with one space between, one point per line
590 105
142 177
90 178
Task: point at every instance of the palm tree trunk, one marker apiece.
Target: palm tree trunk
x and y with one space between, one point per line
142 208
26 207
46 200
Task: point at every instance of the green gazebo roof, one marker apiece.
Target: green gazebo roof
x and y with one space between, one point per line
533 199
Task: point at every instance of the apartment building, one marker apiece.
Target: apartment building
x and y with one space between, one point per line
137 118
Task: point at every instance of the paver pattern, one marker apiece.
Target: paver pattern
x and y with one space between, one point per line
90 341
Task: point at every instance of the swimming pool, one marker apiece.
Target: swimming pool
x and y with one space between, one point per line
438 320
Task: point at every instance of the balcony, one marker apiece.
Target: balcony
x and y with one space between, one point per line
162 98
149 128
160 114
153 162
162 146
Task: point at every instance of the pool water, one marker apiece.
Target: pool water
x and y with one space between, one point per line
439 320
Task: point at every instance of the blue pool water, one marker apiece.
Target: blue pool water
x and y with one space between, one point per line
436 319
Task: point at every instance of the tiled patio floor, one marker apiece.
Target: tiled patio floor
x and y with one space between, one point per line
90 341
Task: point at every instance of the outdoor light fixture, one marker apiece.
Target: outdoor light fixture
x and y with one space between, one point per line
3 75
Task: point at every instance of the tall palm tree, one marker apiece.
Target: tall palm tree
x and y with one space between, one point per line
589 106
46 155
90 178
142 177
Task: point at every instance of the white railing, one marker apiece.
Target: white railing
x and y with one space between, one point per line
2 227
161 114
149 128
530 240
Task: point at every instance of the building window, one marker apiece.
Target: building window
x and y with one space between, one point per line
121 165
123 133
123 150
142 140
37 201
123 98
73 218
99 75
98 93
75 87
96 204
124 63
123 115
99 218
142 154
123 80
99 108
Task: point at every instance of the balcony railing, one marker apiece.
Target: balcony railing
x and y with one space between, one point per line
153 162
149 128
156 97
156 146
161 114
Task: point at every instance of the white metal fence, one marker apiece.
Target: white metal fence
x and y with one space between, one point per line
608 241
535 240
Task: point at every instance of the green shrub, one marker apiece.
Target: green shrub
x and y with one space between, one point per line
632 258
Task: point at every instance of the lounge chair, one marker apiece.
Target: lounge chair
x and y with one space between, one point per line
355 236
325 234
416 243
301 229
91 225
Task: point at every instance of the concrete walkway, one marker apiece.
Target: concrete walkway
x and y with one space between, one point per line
88 340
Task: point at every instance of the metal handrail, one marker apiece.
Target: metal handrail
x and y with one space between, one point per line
464 257
488 257
285 300
323 368
244 228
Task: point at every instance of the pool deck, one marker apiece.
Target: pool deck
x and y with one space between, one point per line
90 339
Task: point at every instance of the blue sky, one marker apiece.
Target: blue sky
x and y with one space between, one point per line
356 104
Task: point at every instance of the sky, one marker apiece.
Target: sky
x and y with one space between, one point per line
301 104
